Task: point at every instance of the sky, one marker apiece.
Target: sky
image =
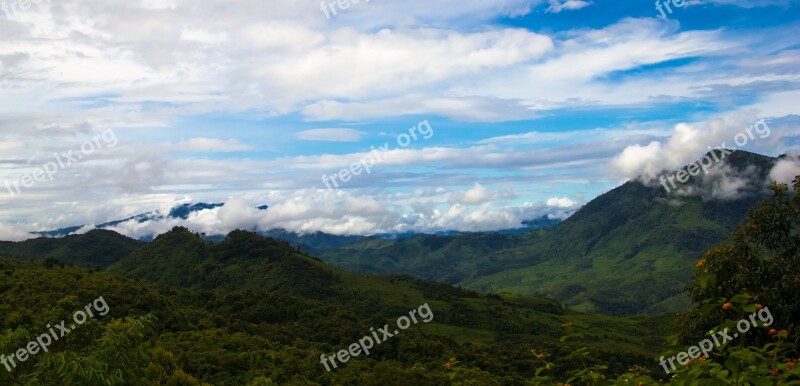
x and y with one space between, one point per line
375 116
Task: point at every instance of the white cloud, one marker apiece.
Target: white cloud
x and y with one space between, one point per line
334 212
557 6
469 109
779 104
14 233
331 135
85 229
723 182
71 69
689 142
742 3
212 145
561 202
786 170
268 58
478 194
203 36
346 214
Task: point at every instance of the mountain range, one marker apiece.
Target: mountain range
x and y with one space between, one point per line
627 252
263 306
232 311
624 253
309 241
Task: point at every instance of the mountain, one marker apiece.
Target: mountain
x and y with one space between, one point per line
311 242
96 248
179 212
626 252
468 323
183 211
526 226
243 260
316 242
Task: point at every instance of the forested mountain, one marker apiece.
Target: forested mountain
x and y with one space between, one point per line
251 307
96 248
625 252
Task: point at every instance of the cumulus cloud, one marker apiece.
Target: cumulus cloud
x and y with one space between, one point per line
477 195
689 142
719 180
561 202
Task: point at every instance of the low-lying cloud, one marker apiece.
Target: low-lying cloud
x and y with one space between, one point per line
342 213
691 141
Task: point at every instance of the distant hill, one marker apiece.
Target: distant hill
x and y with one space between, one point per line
310 242
629 251
243 260
97 248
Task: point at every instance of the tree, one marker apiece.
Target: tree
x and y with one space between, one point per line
760 263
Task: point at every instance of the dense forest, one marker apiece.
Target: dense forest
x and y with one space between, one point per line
252 310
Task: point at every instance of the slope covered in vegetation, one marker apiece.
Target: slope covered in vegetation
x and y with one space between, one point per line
625 252
251 309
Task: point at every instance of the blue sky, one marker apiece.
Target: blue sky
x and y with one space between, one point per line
535 107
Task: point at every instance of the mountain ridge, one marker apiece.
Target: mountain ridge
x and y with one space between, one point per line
626 252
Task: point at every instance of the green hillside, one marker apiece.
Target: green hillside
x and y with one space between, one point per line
626 252
250 307
96 248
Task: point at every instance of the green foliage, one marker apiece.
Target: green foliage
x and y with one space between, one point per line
754 273
231 315
758 264
113 359
242 261
97 248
